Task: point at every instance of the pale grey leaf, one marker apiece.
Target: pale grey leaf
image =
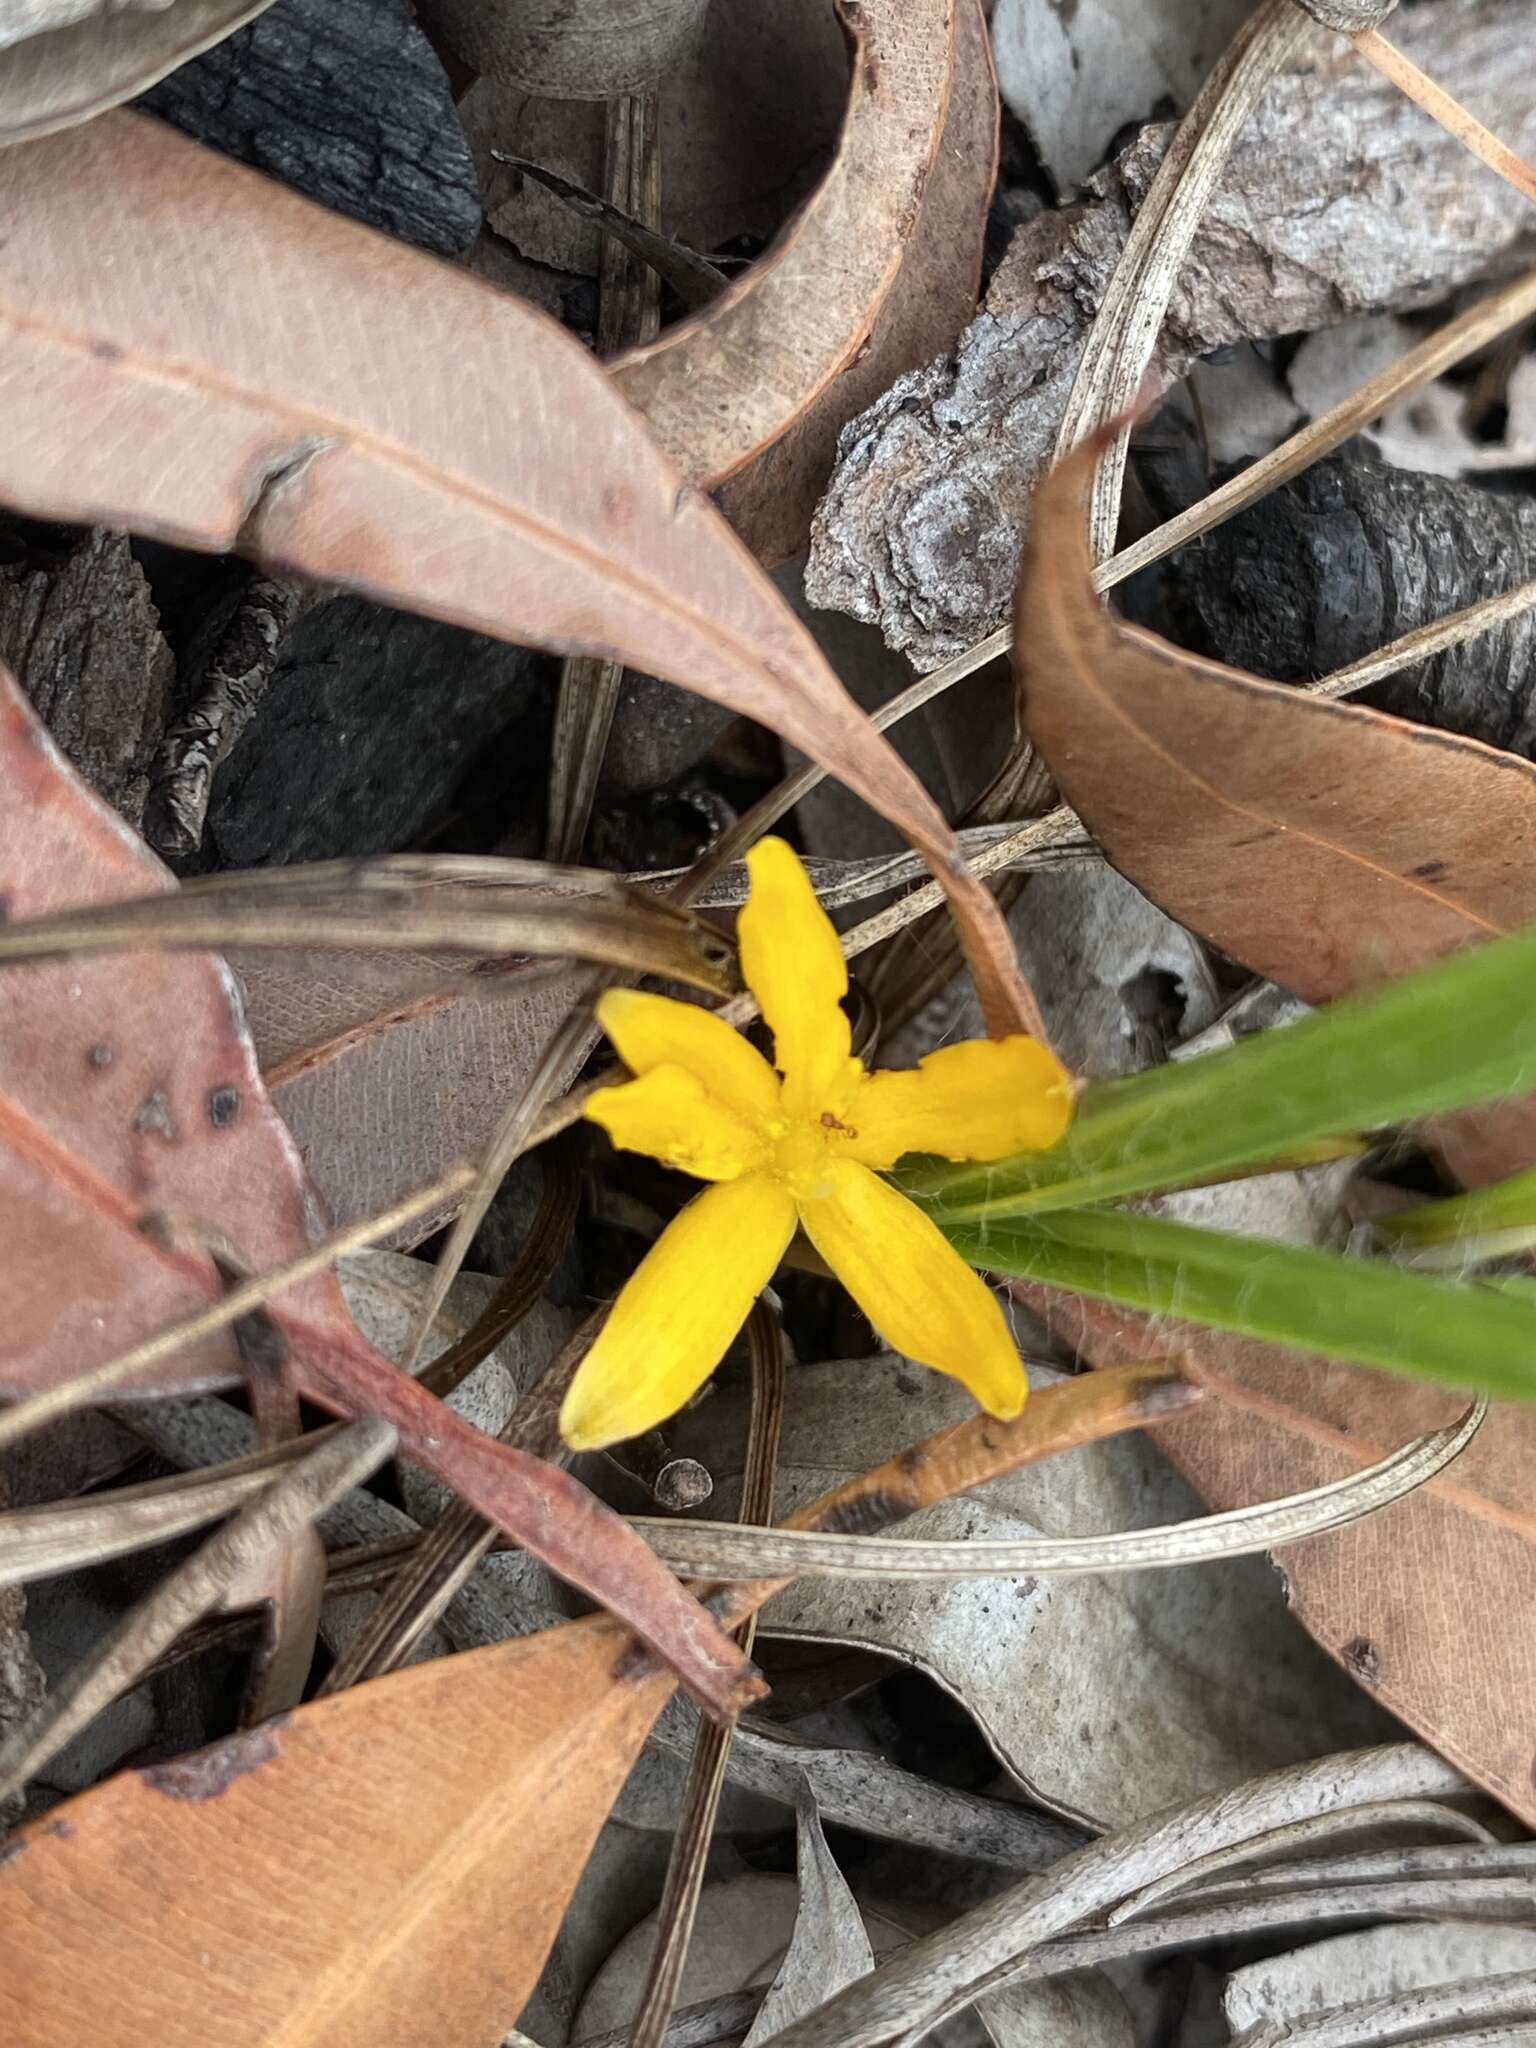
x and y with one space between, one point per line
1161 1689
829 1947
92 59
1377 1963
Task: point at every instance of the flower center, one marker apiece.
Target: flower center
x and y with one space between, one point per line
803 1153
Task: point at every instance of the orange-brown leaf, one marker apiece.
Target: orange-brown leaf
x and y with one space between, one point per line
391 1864
1327 846
1322 844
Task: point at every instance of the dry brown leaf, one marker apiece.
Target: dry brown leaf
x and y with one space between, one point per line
586 52
107 1121
747 126
1277 824
1324 845
803 312
1327 847
183 1129
933 296
345 1875
1430 1605
343 407
80 60
385 1074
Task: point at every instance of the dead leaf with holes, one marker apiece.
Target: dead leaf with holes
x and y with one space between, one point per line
105 1122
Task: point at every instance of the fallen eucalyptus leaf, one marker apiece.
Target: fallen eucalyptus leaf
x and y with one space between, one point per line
1375 1962
921 314
86 1076
849 236
569 1708
72 61
1411 1604
355 461
830 1946
1268 863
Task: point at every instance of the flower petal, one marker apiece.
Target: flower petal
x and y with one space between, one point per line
982 1100
795 967
654 1031
914 1286
671 1115
678 1312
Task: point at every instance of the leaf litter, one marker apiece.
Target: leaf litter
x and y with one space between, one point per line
958 1713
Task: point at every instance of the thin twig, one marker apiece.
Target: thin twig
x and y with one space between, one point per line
732 1553
291 1503
1447 110
712 1743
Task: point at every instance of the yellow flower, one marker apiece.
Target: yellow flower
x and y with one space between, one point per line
798 1150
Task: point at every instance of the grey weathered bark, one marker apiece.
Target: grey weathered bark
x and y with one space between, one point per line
1340 197
1355 553
233 684
81 633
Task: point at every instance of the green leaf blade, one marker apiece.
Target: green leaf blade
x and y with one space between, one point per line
1458 1032
1368 1312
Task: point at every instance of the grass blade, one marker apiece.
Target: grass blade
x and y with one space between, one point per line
1358 1309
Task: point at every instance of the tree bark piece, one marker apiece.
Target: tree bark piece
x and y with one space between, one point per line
82 636
346 101
1340 197
234 684
1355 553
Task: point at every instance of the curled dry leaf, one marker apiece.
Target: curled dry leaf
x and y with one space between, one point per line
1293 848
932 297
338 406
746 128
102 1129
237 1887
587 51
81 60
877 272
1271 821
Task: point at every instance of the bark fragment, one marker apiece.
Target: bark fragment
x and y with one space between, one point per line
81 634
1355 553
1340 197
